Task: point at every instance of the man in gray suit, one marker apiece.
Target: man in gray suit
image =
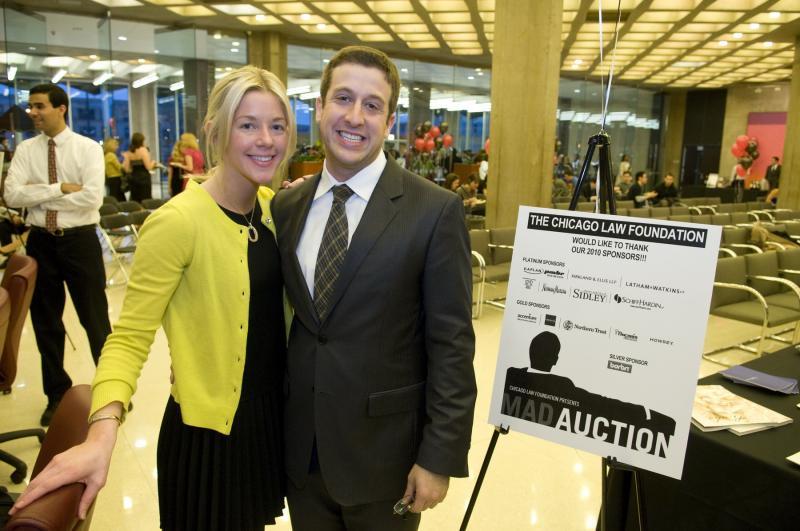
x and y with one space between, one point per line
376 261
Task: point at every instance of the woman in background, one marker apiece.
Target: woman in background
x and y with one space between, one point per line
113 169
138 165
206 269
180 164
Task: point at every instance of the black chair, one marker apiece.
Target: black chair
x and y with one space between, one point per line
153 204
121 228
129 206
108 208
110 199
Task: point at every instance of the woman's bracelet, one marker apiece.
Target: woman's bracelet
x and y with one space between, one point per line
105 416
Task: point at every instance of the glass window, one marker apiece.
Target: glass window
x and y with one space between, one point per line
86 108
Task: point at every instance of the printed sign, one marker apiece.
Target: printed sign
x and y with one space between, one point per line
603 333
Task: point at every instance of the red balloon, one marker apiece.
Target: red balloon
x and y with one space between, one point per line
435 132
447 140
430 144
419 144
486 146
742 141
737 151
428 136
740 171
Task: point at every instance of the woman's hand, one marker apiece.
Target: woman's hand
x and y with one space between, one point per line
85 463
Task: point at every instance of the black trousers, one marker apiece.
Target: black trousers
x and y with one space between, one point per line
77 259
312 509
115 188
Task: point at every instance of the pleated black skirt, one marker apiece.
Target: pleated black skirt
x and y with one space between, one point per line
209 481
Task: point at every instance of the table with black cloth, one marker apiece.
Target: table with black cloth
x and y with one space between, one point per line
730 482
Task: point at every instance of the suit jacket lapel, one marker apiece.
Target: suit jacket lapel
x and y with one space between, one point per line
379 212
298 221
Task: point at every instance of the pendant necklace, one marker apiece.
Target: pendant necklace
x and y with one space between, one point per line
252 233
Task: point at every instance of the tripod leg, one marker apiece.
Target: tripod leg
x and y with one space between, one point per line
573 204
481 475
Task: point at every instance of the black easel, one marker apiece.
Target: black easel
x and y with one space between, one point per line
605 204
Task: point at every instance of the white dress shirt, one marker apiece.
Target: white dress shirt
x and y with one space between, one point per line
79 160
363 184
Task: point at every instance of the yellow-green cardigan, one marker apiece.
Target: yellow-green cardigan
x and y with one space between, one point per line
190 275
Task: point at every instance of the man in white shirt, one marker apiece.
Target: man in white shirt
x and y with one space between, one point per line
376 261
59 176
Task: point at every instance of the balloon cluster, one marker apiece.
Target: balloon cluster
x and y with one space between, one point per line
745 149
429 137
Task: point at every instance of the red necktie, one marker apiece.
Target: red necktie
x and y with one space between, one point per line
50 220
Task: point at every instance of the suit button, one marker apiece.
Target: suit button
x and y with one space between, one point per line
322 339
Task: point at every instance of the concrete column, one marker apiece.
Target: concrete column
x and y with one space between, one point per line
144 120
198 80
790 171
672 134
269 50
419 106
525 75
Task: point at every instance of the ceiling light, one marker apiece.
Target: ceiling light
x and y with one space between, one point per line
122 38
102 78
470 77
754 25
260 17
326 61
228 68
305 16
32 48
577 91
321 26
141 61
234 50
57 77
737 35
480 73
218 35
234 44
309 95
477 69
176 86
404 70
294 91
12 73
578 61
768 44
146 80
156 51
93 56
775 14
723 43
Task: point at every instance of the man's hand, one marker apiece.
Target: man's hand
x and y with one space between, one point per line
68 188
426 487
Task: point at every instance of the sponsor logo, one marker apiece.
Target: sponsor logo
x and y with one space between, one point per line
569 325
528 282
621 367
626 336
526 317
662 341
660 288
532 270
550 288
642 304
554 273
589 295
593 278
533 304
550 320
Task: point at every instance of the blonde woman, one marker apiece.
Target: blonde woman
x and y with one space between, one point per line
206 269
191 148
113 169
180 165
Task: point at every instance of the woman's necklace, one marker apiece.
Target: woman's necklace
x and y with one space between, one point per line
252 233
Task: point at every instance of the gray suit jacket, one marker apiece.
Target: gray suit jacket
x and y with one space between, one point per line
386 380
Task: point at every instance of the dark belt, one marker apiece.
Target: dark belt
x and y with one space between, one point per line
64 232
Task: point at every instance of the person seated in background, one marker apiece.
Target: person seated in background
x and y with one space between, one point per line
469 194
636 192
589 190
561 191
452 182
624 184
667 191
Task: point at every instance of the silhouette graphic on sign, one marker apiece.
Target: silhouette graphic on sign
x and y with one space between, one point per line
535 395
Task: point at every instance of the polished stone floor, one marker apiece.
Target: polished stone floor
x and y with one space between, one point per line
531 483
